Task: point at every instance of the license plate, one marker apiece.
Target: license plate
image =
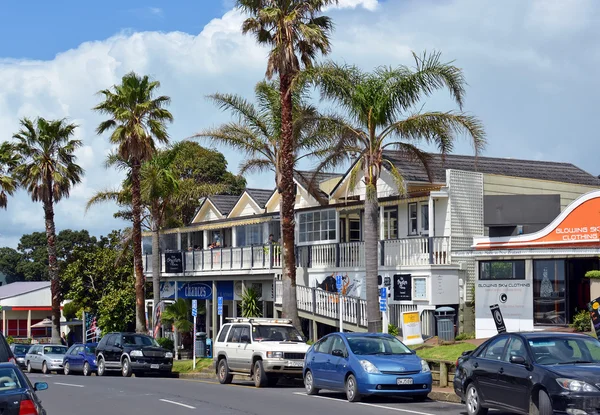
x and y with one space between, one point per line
404 381
295 364
154 366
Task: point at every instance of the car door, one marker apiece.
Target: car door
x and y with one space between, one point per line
233 341
514 384
245 350
320 359
338 365
486 368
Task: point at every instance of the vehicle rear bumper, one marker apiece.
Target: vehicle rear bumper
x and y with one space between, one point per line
371 384
284 367
574 404
151 367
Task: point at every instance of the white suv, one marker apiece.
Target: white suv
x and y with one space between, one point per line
262 349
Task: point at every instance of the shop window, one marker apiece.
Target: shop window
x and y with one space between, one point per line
502 270
317 226
549 301
412 219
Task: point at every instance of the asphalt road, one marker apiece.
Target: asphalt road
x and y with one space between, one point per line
117 395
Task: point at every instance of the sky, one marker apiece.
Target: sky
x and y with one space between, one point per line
531 69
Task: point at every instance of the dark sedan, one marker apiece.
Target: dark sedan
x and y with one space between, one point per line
542 373
17 395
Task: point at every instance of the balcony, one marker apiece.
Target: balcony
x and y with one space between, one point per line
391 253
221 259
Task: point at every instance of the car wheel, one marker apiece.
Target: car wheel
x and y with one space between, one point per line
101 368
86 369
224 376
44 368
352 393
126 368
309 383
544 404
473 402
67 368
29 368
260 377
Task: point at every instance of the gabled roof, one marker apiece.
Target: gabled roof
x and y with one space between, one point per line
260 196
22 287
531 169
304 179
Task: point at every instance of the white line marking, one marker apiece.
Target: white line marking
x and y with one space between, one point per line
408 411
177 403
69 384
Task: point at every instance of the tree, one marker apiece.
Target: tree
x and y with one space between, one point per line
137 120
295 32
8 162
379 106
48 170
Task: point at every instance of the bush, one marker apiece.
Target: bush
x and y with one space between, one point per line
166 343
593 274
465 336
582 321
393 330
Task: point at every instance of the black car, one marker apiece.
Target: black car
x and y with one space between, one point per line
17 395
543 373
132 353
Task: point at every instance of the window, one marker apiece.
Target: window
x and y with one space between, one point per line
502 270
412 219
549 301
425 219
515 348
317 226
223 334
390 223
324 346
495 350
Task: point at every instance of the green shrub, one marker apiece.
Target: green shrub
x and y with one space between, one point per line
593 274
166 343
393 330
465 336
582 321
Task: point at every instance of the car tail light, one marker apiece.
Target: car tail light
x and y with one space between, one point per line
27 408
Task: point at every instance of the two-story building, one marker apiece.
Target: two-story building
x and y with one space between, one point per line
426 236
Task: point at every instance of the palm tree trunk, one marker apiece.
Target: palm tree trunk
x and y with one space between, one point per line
156 269
140 314
371 235
288 199
53 269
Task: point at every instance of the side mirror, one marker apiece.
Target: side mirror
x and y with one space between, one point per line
338 353
518 360
40 386
245 339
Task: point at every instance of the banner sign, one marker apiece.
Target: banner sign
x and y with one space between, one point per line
498 319
403 287
173 263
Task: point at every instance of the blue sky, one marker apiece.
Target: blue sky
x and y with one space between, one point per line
531 67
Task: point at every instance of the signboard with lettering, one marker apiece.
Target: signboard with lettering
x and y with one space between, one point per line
173 263
402 287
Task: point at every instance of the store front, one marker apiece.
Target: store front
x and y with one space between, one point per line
538 280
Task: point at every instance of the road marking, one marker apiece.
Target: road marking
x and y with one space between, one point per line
178 403
408 411
69 384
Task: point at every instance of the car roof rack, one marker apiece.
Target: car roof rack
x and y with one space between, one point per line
258 320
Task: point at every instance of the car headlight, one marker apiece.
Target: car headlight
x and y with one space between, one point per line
169 355
573 385
425 366
136 353
369 367
275 355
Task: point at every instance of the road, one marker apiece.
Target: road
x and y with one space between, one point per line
117 395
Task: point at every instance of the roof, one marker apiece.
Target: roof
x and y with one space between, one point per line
304 178
260 196
224 203
531 169
22 287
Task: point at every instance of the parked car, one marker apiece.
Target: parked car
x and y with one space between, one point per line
17 394
260 348
543 373
132 353
45 357
80 358
366 364
20 351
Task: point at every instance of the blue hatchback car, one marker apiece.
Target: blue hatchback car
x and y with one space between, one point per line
81 358
366 364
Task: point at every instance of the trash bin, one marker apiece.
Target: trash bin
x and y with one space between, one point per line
445 323
201 344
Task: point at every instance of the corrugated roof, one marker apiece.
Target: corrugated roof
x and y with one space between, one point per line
260 196
530 169
22 287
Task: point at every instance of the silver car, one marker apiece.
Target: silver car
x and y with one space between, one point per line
45 357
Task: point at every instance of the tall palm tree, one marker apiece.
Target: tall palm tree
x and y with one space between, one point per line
48 170
381 110
296 32
137 120
8 161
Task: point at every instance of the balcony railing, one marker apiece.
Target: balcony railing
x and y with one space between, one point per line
391 253
222 259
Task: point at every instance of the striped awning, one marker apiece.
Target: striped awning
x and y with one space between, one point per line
212 226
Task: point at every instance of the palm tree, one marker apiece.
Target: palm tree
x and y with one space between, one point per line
381 108
137 120
47 170
258 134
296 33
8 161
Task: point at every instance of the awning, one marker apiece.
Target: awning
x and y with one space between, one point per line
211 226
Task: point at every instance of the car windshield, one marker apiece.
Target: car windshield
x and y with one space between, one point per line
564 351
139 340
55 350
90 349
276 333
21 348
9 380
372 345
